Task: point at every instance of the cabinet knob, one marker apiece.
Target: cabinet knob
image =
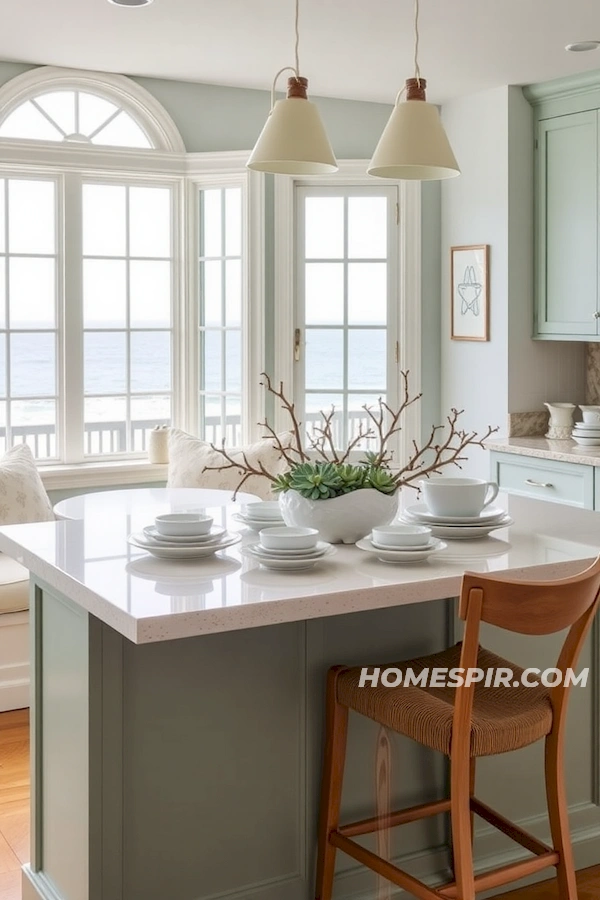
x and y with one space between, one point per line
597 315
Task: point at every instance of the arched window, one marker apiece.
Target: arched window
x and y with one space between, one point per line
85 108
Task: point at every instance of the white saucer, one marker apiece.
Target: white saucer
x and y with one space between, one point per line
420 512
270 562
468 532
587 441
400 556
319 549
164 552
214 534
257 524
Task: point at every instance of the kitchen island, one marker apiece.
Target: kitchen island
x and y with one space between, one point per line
177 709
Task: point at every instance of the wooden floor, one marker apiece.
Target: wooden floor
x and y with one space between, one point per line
14 819
14 801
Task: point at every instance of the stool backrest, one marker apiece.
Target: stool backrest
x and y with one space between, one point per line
525 607
533 607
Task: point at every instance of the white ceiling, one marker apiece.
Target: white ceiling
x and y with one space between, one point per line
359 49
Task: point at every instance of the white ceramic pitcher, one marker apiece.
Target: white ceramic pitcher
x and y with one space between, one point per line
561 414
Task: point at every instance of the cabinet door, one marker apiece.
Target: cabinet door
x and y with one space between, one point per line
567 225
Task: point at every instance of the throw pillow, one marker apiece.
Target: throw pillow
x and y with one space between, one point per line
190 456
22 494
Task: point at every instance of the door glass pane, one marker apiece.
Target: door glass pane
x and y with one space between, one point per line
149 221
150 361
33 365
367 293
146 412
324 227
323 403
324 358
211 360
324 293
3 292
367 227
105 370
367 359
31 225
233 420
104 219
211 407
104 293
150 293
2 217
2 365
358 417
32 292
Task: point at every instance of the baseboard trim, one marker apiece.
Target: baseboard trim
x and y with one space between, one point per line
14 694
35 886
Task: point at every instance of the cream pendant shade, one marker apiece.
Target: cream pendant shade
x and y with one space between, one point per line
414 145
293 141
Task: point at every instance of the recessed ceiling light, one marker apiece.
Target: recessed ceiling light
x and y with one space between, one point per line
130 2
582 46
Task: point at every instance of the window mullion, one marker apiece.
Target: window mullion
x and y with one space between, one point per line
70 322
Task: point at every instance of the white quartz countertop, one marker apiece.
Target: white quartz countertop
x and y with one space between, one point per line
146 599
542 448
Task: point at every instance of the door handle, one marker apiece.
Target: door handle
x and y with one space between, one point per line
297 342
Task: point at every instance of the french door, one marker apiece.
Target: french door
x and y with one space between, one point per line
346 317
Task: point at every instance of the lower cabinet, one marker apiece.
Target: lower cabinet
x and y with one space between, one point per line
546 479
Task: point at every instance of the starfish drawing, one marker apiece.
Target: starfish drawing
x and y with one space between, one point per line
469 291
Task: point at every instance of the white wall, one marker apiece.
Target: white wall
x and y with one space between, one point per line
492 203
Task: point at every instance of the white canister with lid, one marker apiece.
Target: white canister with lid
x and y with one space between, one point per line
158 444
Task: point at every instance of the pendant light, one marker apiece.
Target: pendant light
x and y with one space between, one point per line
293 140
414 144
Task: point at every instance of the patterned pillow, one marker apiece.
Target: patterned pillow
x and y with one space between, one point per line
22 494
189 457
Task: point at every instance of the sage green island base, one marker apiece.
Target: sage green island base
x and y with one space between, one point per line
189 769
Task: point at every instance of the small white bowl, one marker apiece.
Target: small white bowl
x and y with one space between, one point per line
264 509
591 414
183 524
401 535
289 538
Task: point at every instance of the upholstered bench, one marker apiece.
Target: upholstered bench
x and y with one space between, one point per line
14 634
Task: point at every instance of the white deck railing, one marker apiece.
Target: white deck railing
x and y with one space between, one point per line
111 437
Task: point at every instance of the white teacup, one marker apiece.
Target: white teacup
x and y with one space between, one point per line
591 414
401 535
458 496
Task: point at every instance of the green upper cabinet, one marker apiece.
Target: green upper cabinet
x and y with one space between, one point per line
567 172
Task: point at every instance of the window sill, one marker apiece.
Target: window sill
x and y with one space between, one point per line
102 474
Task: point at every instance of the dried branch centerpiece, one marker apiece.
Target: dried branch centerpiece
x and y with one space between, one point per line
324 489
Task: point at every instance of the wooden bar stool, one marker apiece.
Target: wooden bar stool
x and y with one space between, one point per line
464 723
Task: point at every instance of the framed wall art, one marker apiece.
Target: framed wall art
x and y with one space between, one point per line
470 293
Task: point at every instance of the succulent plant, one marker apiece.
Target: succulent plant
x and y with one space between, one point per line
316 481
381 479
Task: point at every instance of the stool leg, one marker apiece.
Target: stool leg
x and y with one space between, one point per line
559 817
462 831
336 731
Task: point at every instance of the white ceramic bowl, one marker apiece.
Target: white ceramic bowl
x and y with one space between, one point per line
264 509
587 441
401 535
183 524
591 414
285 537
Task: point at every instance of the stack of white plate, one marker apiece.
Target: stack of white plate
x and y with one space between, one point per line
262 514
586 434
288 548
457 528
189 546
402 555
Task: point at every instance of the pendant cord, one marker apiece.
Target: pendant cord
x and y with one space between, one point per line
417 70
295 69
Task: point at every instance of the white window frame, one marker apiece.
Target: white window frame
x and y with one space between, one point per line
170 163
352 173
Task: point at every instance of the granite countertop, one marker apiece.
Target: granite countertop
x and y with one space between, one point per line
542 448
147 599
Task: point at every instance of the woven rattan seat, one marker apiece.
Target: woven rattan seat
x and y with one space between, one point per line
503 718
